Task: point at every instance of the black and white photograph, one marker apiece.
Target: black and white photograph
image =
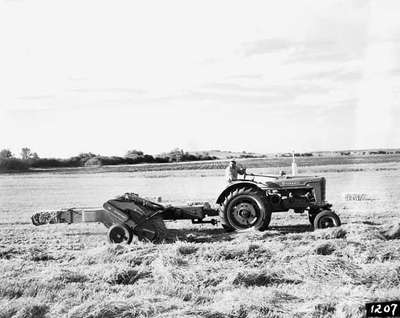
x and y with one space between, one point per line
199 159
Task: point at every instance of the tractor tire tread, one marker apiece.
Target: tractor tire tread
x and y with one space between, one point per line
243 191
325 213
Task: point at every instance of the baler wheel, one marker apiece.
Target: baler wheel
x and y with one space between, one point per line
119 233
326 219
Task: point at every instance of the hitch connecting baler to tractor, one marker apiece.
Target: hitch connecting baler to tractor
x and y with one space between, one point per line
243 204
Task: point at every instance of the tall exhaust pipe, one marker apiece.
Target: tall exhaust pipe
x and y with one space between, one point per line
294 165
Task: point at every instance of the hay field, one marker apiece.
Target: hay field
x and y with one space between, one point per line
287 271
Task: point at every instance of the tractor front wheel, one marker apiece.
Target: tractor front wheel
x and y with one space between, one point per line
245 208
312 214
311 218
326 219
119 233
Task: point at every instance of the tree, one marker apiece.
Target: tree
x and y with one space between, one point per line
26 153
87 155
176 155
6 154
134 154
84 156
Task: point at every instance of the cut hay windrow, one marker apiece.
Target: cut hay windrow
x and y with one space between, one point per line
326 269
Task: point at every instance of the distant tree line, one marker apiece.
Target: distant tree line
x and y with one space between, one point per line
245 154
378 152
382 152
304 154
29 159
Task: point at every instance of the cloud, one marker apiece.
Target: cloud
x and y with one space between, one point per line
265 46
307 51
335 75
325 51
395 72
108 90
232 98
37 97
313 56
257 76
289 89
233 93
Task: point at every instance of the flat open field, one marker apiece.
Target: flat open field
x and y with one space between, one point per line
287 271
249 162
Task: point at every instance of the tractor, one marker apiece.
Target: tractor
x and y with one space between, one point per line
243 204
249 203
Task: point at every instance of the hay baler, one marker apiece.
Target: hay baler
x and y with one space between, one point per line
243 204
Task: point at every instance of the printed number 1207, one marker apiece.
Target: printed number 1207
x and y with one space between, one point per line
384 309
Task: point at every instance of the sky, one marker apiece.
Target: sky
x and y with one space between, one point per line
260 76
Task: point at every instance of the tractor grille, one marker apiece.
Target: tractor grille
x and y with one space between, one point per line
319 190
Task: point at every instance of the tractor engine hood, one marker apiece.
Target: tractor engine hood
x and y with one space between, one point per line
298 181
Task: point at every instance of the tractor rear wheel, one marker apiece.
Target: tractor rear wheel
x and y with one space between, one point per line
326 219
119 233
245 208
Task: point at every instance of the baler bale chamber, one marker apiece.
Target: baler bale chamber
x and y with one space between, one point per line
130 215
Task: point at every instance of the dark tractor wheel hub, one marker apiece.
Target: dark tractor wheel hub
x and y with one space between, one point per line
326 219
327 223
244 214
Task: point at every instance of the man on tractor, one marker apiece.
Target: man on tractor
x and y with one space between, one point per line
232 171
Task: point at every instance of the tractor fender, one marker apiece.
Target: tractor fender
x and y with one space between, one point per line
234 186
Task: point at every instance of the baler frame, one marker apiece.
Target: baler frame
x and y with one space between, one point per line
130 213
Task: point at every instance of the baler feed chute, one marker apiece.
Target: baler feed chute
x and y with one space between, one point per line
142 216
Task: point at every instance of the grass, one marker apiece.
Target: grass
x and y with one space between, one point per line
305 274
287 271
